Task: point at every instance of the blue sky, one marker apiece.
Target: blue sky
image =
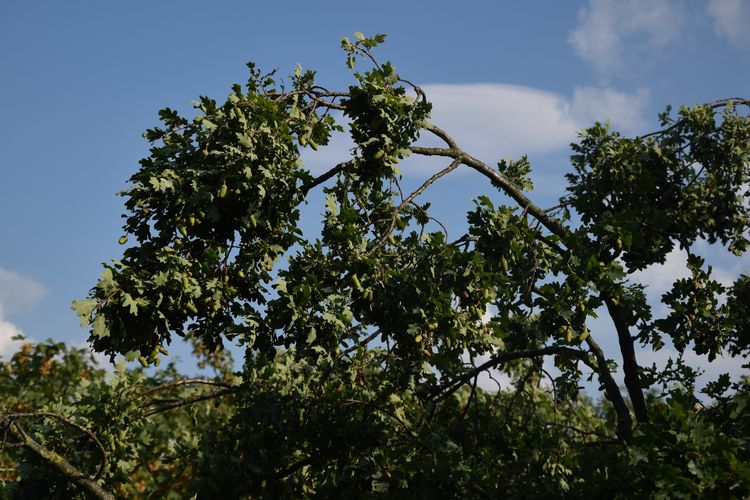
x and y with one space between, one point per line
81 81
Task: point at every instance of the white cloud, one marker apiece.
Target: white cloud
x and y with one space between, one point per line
731 19
613 34
659 278
514 120
7 332
17 294
625 111
502 119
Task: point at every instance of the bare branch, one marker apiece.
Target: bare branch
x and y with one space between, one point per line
187 381
454 164
324 177
186 401
362 342
442 134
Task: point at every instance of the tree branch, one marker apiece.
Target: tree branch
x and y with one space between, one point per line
499 180
184 402
61 465
324 177
624 421
70 423
629 362
187 381
450 168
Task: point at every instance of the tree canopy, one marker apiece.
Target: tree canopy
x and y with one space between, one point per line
363 345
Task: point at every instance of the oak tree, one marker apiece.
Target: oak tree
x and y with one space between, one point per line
363 344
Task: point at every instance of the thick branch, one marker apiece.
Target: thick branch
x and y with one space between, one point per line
629 363
60 464
624 421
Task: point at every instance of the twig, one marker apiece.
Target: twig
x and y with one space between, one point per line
324 177
454 164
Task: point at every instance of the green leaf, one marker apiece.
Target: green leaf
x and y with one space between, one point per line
244 140
106 281
99 328
127 301
311 335
84 308
331 205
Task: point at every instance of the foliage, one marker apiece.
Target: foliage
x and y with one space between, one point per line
364 345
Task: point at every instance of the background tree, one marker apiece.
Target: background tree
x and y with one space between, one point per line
362 345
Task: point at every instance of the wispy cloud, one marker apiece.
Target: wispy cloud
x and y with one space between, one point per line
17 294
612 35
731 20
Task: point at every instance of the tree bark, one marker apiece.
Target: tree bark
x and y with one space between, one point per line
629 362
624 421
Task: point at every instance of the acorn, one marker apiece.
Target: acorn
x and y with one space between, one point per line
357 283
584 335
